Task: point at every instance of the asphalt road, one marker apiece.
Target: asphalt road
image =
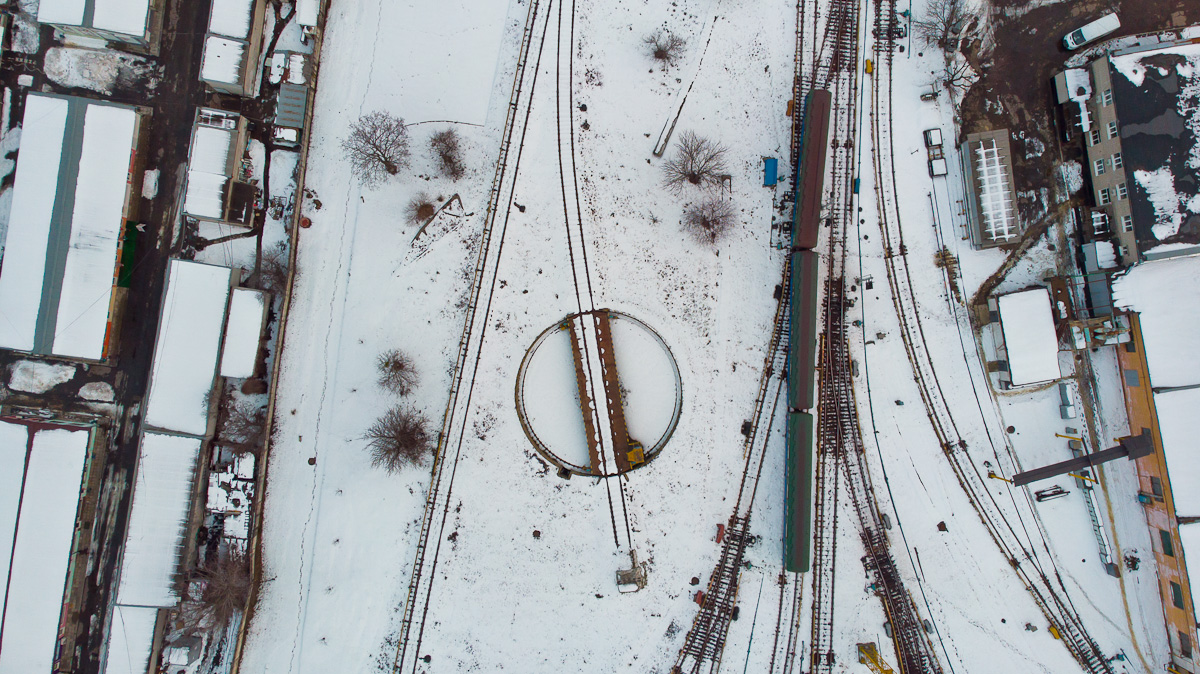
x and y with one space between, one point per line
173 101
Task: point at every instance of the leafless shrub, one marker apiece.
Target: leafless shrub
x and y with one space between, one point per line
227 588
664 46
445 146
419 209
397 373
943 22
708 220
698 161
243 429
399 438
377 147
273 272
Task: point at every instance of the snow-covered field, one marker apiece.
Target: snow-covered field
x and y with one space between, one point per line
524 579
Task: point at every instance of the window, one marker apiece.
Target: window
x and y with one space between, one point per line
1176 594
1107 97
1095 136
1156 487
1185 645
1168 547
1099 164
1117 161
1105 197
1112 130
1127 223
1122 191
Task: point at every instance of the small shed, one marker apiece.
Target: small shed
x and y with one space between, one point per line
291 107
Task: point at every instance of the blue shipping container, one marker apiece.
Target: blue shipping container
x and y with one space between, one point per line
770 171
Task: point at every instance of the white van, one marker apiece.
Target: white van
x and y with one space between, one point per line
1092 31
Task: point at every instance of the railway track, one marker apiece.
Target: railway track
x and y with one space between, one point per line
705 640
483 284
1041 580
581 275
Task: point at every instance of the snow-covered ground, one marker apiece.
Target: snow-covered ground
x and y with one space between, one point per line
524 577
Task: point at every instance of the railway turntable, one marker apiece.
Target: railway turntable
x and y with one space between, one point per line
598 415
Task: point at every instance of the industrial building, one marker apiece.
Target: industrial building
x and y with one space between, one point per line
78 183
1137 122
233 46
135 24
991 201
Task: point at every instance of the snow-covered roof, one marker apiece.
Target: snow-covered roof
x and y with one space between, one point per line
127 17
55 293
42 550
130 640
162 496
1189 536
1155 91
208 168
1163 292
247 310
231 18
23 267
189 342
1177 424
222 60
108 136
14 439
1029 337
306 12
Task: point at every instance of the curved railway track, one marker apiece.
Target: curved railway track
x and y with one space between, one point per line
1040 579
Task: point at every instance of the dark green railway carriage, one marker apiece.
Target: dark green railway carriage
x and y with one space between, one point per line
797 526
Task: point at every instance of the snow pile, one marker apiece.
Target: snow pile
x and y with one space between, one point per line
162 497
189 341
1072 174
150 184
1160 190
83 68
97 391
33 376
1163 292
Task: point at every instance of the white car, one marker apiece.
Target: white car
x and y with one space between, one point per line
1092 31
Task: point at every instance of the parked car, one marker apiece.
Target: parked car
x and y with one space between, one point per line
1092 31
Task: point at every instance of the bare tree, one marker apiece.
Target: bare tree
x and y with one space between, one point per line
943 22
698 161
420 208
397 373
273 273
708 220
377 147
399 438
445 146
244 426
664 46
227 587
958 76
